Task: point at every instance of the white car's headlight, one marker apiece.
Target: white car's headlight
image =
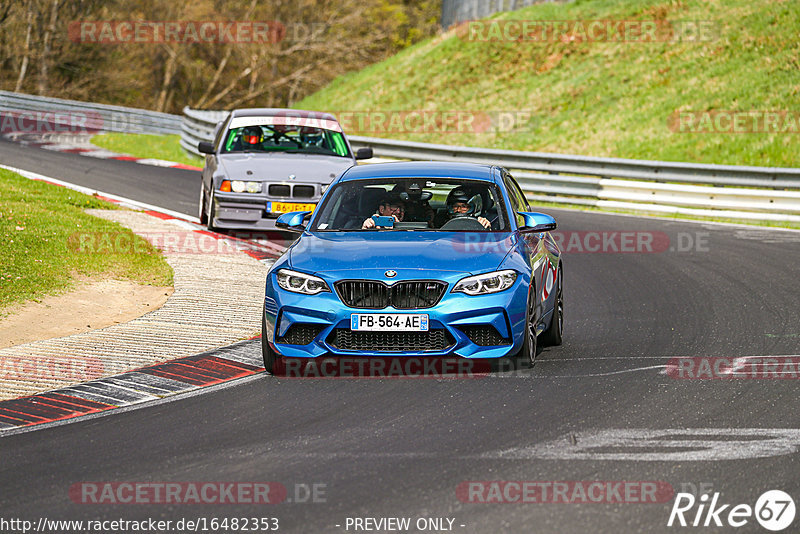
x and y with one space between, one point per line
482 284
238 186
301 282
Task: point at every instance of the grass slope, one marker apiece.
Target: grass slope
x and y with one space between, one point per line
41 226
166 147
602 98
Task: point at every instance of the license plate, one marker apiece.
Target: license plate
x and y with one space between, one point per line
387 322
287 207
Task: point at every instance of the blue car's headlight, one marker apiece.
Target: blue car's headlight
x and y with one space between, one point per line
301 282
486 283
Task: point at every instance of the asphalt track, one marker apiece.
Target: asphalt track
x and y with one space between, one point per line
401 447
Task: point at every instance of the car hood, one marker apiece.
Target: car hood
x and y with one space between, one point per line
278 167
375 252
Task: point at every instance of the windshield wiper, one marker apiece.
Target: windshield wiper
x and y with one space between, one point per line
310 152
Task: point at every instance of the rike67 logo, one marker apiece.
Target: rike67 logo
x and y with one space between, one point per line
774 510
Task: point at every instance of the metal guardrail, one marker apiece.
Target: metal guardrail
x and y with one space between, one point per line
455 11
743 192
585 165
198 126
770 193
98 117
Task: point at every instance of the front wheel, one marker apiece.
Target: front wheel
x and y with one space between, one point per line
527 354
553 335
210 214
270 356
202 209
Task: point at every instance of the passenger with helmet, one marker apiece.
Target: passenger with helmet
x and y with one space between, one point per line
460 203
416 201
391 205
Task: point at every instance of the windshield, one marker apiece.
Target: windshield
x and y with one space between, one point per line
285 138
412 204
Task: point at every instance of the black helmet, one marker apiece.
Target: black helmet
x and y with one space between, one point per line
252 135
459 195
392 199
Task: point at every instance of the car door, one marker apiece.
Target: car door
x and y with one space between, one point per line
212 160
545 253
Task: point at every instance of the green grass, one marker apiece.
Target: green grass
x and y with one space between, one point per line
602 98
41 226
166 147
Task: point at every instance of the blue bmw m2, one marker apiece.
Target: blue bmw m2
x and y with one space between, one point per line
414 259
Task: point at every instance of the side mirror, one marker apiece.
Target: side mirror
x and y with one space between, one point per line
293 221
537 222
364 153
205 147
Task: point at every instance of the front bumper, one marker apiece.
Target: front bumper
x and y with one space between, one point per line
308 326
251 210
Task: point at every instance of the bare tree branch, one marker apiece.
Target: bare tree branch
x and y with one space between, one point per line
27 50
169 72
44 60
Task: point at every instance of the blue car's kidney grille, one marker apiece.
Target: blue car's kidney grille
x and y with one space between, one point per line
432 340
363 294
375 295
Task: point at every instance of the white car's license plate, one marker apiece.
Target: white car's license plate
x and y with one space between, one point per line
286 207
389 322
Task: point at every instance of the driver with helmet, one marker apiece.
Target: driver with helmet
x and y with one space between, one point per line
252 136
458 205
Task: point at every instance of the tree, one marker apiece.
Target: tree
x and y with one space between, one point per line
311 42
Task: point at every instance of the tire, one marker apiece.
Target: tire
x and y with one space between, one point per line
553 336
210 214
527 354
202 209
271 357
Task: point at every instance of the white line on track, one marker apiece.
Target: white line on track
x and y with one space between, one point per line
671 219
517 374
557 360
89 191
